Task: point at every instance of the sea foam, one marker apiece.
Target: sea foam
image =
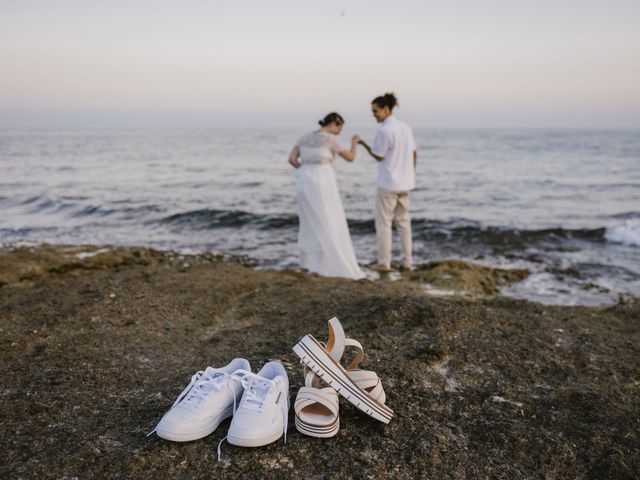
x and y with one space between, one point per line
627 233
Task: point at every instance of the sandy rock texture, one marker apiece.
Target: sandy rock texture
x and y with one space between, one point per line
482 388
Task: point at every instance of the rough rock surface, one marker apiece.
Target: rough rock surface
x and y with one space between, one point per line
458 275
484 388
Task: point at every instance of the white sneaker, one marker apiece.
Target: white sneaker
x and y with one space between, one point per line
262 416
209 399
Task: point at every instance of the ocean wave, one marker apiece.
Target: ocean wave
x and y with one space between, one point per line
125 213
503 236
626 215
76 207
208 218
627 233
456 230
24 232
32 199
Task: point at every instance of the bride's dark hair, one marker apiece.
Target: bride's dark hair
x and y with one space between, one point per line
386 100
330 118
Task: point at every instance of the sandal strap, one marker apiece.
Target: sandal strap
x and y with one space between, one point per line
308 396
336 342
366 380
309 376
369 382
350 342
377 393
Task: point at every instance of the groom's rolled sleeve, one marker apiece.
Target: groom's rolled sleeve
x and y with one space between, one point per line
380 144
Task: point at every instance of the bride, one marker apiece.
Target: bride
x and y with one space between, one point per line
323 238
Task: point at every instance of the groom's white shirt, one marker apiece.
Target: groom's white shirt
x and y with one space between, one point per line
394 141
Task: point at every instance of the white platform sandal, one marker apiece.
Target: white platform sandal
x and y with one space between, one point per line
362 388
316 408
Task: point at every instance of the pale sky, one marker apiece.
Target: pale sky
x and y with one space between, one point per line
203 63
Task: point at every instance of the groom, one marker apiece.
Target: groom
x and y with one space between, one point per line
395 150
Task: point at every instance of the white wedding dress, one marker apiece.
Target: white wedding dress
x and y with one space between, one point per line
323 238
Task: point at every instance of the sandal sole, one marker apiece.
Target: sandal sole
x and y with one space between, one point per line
317 430
317 359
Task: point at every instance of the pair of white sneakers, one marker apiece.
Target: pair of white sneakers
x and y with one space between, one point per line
259 404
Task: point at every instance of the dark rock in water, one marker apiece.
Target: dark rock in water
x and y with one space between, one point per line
593 286
484 388
461 276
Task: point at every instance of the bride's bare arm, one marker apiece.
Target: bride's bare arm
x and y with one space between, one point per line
350 155
294 157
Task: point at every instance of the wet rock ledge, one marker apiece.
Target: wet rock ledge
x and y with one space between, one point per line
96 342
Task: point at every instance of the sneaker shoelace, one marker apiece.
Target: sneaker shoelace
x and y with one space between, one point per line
256 391
202 383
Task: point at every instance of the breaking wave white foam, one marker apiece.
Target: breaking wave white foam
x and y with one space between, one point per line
627 233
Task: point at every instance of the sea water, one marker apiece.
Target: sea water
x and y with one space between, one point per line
564 204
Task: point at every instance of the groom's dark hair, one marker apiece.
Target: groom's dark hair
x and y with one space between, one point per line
386 100
330 118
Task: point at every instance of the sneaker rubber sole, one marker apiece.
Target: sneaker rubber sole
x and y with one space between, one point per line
254 442
195 435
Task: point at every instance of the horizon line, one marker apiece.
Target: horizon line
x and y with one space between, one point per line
291 126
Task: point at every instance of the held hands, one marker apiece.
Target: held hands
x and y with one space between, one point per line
358 140
355 140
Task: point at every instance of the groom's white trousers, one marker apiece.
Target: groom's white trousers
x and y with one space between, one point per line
393 207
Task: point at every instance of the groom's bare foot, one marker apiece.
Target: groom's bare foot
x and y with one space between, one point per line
378 267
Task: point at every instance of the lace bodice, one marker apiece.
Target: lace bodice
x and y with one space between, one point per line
319 147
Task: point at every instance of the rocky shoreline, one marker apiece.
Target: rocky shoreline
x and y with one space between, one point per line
98 341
